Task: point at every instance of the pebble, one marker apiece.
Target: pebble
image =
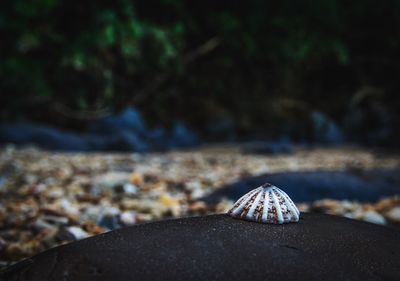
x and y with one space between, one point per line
77 232
224 206
40 224
130 189
92 228
108 221
386 204
170 204
55 220
394 214
136 179
198 207
69 207
55 193
197 194
373 217
128 218
110 180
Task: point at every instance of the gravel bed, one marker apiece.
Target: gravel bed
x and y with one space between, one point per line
48 199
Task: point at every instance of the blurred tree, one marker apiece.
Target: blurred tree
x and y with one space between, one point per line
261 64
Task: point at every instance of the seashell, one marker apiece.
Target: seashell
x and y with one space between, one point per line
266 204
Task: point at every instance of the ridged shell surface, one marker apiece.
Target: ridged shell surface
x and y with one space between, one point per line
266 204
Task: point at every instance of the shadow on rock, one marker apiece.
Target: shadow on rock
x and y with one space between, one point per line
315 185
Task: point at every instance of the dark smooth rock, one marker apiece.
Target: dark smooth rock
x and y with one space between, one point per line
55 139
46 137
325 130
310 186
319 247
124 132
128 120
181 136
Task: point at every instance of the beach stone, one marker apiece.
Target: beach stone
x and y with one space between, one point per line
394 214
374 217
128 218
309 186
218 247
77 232
129 188
111 180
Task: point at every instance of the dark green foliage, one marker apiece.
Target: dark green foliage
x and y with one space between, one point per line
259 63
82 54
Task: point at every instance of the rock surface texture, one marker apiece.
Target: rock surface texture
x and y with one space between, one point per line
218 247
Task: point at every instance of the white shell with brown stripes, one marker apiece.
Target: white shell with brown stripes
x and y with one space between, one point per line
266 204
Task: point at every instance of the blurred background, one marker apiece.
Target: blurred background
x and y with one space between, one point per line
115 113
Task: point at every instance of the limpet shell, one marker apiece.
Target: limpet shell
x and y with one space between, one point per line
266 204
